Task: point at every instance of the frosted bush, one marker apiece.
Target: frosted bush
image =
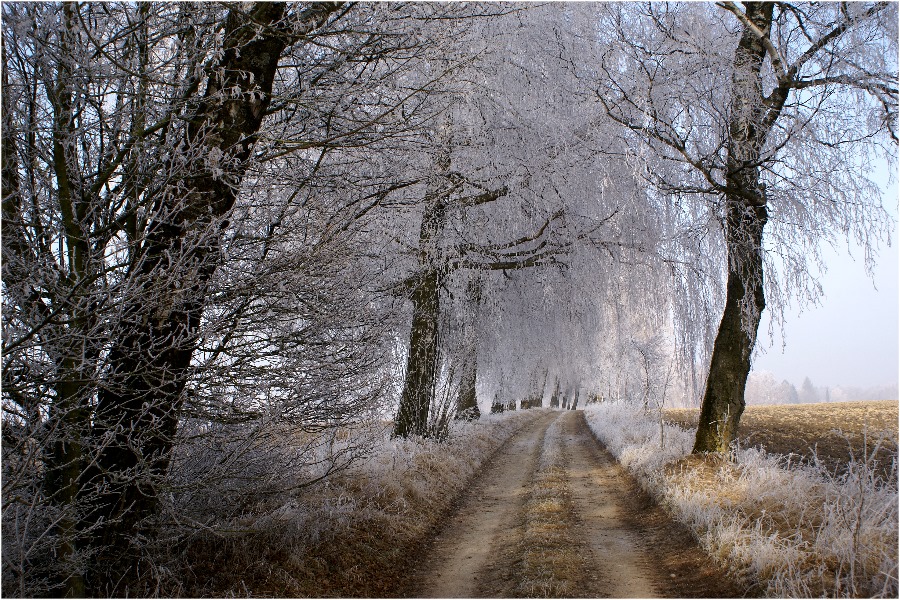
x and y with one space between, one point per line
286 532
794 530
399 485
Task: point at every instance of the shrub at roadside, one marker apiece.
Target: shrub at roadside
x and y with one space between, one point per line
348 535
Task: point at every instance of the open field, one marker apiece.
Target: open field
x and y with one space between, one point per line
829 431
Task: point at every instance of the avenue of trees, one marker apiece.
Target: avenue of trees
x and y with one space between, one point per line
228 224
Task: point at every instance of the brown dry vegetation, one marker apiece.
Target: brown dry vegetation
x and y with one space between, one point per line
786 532
547 559
830 431
373 523
552 557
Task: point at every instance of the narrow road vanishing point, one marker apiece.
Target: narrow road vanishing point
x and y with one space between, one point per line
553 515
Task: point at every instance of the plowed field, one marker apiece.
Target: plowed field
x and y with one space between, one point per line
835 432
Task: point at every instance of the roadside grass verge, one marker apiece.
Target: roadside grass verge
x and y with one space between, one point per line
351 535
785 528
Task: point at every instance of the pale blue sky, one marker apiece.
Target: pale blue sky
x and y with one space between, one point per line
852 338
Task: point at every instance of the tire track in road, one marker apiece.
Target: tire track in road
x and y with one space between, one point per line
553 514
597 485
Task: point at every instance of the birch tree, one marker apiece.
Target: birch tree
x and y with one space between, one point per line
767 113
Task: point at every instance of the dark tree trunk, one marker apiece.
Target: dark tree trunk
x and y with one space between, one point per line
752 116
66 419
139 406
67 423
421 365
554 399
467 403
723 401
536 397
540 397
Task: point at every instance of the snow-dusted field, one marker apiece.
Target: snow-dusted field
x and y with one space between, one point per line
791 529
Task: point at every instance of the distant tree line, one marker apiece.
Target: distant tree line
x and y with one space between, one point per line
763 388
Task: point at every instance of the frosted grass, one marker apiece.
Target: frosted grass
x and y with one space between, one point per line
400 488
793 530
293 538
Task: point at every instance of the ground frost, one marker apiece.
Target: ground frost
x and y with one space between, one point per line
793 530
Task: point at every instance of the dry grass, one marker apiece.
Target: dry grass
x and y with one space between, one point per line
552 555
833 433
355 535
786 528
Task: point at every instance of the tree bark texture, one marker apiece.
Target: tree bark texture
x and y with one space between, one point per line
138 408
745 218
421 365
422 362
467 403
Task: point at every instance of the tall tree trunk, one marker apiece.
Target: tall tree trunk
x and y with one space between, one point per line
422 362
64 464
467 402
554 399
421 365
723 401
139 406
540 398
745 219
70 344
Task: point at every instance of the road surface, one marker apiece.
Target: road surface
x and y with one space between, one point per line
553 515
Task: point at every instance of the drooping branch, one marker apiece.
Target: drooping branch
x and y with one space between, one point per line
832 35
483 198
512 255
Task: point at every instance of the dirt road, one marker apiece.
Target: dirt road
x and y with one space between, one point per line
553 515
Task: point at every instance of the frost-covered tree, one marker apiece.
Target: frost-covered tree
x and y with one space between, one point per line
763 113
185 188
808 392
788 393
492 200
99 213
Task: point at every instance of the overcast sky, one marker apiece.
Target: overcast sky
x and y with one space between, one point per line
852 338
